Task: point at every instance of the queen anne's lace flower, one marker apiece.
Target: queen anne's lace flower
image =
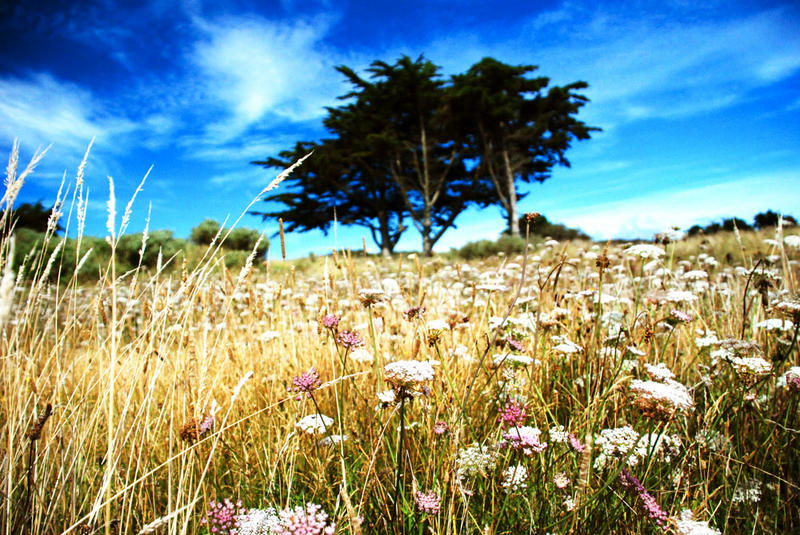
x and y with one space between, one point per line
685 525
258 522
408 377
661 400
474 460
315 424
308 520
644 250
524 438
514 478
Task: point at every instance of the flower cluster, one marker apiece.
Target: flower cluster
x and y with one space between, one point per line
258 522
661 400
350 339
514 478
330 321
648 503
428 502
408 377
524 438
686 525
222 518
793 379
370 296
305 384
308 520
315 424
513 414
473 461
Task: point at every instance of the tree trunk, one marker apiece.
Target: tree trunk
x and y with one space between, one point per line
427 245
513 214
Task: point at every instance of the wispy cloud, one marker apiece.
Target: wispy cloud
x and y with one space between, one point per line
644 215
258 69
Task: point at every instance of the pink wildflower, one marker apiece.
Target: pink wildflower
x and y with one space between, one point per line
649 504
330 321
440 427
576 444
350 339
524 438
512 415
221 517
428 503
305 384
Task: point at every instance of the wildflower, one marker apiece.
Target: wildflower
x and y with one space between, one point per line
514 478
330 321
428 502
258 522
308 520
350 339
222 517
512 415
387 397
305 384
615 442
687 526
793 379
678 316
370 296
408 377
437 325
194 429
659 372
474 460
332 440
749 490
560 480
525 438
661 400
440 428
648 503
576 444
790 308
512 360
414 312
314 424
644 251
361 355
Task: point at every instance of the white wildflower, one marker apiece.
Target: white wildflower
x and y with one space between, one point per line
644 250
473 461
685 525
514 478
314 424
659 372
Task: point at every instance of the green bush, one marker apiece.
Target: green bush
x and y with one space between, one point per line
484 248
203 234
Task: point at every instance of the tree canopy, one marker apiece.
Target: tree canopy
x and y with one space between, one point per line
408 143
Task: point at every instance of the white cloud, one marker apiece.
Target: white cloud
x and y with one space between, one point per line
645 215
258 68
43 110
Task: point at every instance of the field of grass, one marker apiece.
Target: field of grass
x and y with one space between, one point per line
575 388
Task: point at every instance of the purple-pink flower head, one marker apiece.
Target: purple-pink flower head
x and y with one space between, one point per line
648 503
428 502
576 444
350 339
679 316
440 427
308 520
221 517
524 438
305 383
330 321
512 415
514 344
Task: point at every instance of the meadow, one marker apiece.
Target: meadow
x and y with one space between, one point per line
576 387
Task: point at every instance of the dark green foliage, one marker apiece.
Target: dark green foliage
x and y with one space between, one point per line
129 246
204 233
33 216
769 219
410 143
483 248
516 126
558 231
245 239
762 220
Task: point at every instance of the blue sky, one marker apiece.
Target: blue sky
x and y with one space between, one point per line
698 101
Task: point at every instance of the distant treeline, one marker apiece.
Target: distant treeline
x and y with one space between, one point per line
30 224
762 220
